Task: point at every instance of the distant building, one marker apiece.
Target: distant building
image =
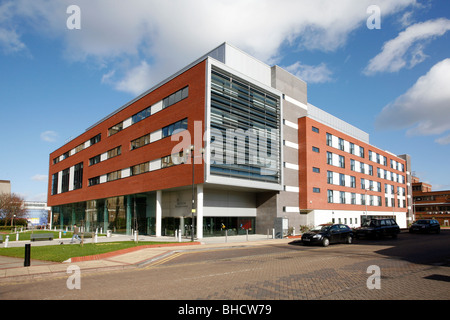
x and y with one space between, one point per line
430 204
37 213
5 186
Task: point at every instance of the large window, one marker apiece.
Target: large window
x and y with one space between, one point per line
245 127
175 127
55 184
176 97
116 128
78 176
65 180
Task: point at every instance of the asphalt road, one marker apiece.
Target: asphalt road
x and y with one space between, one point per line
411 267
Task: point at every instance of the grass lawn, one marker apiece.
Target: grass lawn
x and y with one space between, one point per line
60 253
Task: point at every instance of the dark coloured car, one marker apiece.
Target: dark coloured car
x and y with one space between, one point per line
328 233
425 226
377 228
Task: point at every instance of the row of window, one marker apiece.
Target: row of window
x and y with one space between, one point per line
166 102
164 162
78 148
78 172
432 197
105 156
64 181
142 141
147 112
357 166
342 197
350 181
167 131
351 148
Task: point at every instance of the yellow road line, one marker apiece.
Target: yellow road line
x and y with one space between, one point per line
178 254
164 260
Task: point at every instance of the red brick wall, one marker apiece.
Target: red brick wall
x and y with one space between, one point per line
193 107
309 179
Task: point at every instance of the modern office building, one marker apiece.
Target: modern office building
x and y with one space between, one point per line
233 143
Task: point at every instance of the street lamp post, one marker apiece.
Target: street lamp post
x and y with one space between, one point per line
194 209
193 192
365 199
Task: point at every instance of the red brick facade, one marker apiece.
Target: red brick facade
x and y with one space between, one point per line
193 108
308 179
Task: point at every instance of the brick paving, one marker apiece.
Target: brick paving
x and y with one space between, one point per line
271 270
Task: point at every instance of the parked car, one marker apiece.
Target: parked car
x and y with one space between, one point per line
425 226
377 228
328 233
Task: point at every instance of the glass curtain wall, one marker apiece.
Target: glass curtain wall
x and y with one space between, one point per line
245 129
122 214
216 226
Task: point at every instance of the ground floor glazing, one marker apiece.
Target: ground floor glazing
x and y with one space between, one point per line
150 214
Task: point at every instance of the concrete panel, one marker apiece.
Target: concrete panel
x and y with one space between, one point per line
289 84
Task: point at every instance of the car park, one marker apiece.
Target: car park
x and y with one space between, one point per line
377 228
425 226
328 233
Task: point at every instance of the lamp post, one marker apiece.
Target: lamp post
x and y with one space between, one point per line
393 203
365 199
193 192
193 208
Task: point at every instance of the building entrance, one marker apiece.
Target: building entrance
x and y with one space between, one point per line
170 224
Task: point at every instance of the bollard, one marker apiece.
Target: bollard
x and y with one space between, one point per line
17 236
26 262
179 235
95 237
226 235
60 234
246 234
6 241
273 233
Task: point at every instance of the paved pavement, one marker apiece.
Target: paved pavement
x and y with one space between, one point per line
341 274
13 268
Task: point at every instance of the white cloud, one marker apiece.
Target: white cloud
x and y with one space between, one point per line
406 50
9 38
136 80
49 136
160 37
425 108
311 74
39 177
443 140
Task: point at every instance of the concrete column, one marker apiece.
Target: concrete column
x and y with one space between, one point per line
105 217
128 215
158 213
181 227
199 211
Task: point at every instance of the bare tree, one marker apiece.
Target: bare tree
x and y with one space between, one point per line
11 206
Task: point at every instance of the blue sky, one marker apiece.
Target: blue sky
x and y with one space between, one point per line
392 82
